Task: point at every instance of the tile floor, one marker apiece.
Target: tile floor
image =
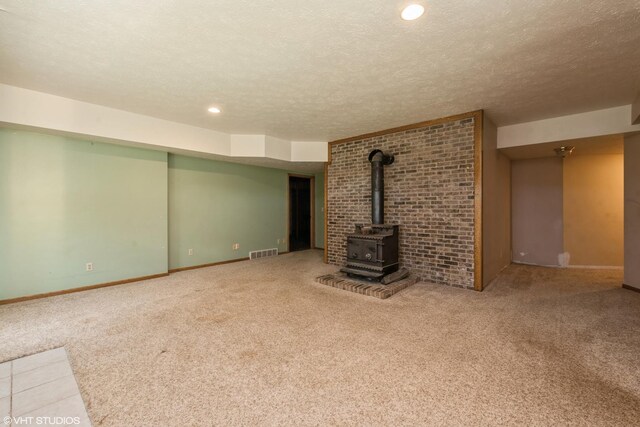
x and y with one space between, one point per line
40 390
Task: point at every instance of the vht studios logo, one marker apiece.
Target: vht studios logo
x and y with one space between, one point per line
40 421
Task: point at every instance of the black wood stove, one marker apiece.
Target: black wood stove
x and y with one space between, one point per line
372 250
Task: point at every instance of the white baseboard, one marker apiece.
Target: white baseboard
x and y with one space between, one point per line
535 265
592 267
598 267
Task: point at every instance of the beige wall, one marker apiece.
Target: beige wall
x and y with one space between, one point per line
536 210
593 209
496 206
632 211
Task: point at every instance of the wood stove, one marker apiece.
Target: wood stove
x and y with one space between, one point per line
372 250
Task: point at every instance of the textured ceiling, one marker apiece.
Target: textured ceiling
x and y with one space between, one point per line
323 70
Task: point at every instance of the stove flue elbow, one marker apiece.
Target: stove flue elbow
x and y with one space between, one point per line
379 156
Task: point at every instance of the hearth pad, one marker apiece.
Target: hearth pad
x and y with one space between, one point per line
341 281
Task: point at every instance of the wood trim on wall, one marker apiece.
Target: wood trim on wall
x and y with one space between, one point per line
312 183
326 209
80 289
288 200
211 264
631 288
478 123
478 117
456 117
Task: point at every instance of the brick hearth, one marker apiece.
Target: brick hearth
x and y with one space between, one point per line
341 281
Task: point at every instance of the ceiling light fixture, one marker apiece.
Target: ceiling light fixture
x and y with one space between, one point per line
564 151
411 12
214 110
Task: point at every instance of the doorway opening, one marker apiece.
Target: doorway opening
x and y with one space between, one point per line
567 207
301 208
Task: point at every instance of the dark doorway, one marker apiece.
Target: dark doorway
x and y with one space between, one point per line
300 213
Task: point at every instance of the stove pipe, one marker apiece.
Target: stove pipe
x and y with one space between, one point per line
378 159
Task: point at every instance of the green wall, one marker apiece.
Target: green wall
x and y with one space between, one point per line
319 213
65 202
214 204
131 212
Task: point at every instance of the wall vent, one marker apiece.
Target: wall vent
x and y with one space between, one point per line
263 253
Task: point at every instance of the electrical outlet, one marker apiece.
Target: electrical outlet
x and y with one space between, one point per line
89 266
190 252
235 246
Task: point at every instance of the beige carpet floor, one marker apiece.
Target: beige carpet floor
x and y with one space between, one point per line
259 343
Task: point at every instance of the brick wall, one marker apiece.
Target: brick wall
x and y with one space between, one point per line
429 192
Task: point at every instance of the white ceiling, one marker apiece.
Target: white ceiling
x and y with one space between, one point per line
323 70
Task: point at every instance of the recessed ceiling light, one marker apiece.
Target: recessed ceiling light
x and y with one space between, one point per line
214 110
411 12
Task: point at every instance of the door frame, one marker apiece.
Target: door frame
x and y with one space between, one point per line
312 197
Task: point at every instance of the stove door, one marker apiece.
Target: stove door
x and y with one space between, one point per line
362 249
